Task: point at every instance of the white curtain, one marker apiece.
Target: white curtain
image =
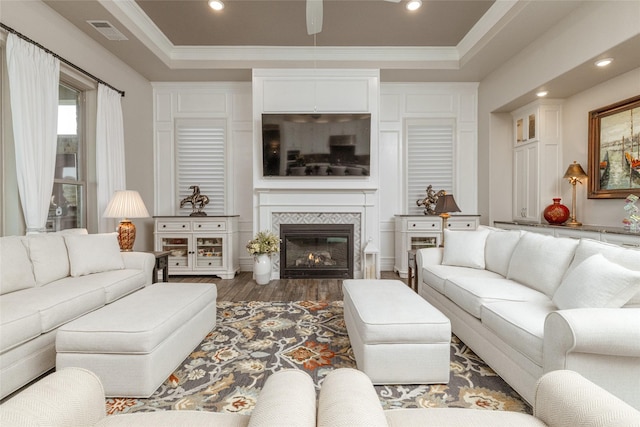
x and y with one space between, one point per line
110 167
33 89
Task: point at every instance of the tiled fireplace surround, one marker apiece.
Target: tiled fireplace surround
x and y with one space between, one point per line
277 207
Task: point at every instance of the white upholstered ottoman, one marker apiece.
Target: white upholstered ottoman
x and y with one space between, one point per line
135 343
397 337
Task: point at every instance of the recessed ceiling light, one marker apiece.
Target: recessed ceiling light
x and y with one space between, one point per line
414 5
604 62
542 93
216 4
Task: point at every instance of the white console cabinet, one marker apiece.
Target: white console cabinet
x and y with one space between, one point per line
199 245
424 231
613 235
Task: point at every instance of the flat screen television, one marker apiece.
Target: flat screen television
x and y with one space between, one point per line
316 145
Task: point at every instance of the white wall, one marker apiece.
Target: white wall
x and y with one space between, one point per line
590 30
37 21
576 126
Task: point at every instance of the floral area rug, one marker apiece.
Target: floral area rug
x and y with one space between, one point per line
251 340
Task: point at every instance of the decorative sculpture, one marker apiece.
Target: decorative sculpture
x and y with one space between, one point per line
430 201
198 201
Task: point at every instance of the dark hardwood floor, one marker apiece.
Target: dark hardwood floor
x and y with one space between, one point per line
244 288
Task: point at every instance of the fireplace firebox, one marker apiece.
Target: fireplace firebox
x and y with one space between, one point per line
316 251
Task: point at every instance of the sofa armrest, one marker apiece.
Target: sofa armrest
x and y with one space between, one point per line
427 256
140 261
287 398
567 399
348 399
606 331
69 397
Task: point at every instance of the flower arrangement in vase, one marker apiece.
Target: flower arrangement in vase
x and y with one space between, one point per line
261 247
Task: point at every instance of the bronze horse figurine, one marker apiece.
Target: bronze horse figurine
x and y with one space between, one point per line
430 201
198 201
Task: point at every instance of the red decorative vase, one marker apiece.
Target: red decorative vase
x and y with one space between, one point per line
557 213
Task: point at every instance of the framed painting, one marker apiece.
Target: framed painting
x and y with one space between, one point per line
614 150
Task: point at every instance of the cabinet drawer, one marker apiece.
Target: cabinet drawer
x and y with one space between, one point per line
174 226
461 225
210 262
178 262
432 225
209 226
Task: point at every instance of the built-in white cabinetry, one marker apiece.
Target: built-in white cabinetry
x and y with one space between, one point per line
613 235
536 158
425 231
199 245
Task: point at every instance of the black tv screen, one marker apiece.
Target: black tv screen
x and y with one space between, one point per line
315 145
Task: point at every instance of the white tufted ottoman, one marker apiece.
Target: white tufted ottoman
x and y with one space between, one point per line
397 337
135 343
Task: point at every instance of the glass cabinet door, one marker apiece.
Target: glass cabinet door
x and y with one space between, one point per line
178 248
209 251
421 242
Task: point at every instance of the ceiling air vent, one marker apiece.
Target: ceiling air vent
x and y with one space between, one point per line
109 31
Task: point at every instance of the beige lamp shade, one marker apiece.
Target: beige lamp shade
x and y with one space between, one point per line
126 204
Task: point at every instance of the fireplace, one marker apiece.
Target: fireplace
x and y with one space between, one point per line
316 251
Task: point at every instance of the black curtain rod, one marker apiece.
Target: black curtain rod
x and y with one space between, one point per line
55 55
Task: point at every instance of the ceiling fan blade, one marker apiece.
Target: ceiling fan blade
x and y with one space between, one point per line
314 16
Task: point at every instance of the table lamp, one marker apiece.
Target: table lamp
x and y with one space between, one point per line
574 174
126 204
445 204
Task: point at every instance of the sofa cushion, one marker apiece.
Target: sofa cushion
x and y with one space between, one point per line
471 293
540 261
94 253
464 248
18 322
66 299
116 283
435 275
597 283
49 256
16 271
626 257
499 249
521 324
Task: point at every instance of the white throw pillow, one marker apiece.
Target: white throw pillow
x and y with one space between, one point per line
597 283
49 257
627 257
464 248
93 253
540 261
15 267
498 250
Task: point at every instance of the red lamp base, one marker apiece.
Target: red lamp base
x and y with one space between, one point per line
126 235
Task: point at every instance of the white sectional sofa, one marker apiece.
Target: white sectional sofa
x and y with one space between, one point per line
529 303
47 280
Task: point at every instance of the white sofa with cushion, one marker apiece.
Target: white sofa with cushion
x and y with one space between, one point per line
47 280
529 303
74 397
562 399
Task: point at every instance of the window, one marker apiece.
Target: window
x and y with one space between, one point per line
200 160
429 159
67 207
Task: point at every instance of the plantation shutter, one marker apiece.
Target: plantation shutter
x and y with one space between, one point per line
429 159
200 160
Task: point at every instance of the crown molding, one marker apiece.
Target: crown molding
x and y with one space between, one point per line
180 57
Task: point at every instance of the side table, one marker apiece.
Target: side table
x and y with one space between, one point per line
412 273
162 263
